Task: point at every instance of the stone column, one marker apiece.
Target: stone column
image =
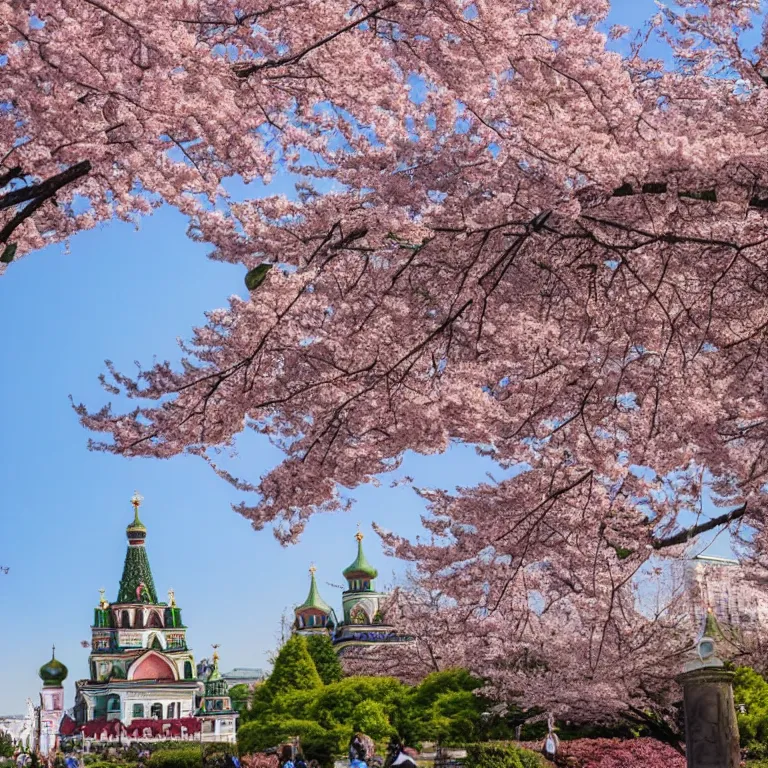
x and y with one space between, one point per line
711 731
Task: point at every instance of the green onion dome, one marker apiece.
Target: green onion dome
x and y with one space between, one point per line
54 673
361 566
314 601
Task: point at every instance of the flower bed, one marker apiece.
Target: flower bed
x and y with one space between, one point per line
617 753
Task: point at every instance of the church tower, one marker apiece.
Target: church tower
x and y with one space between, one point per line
53 674
314 614
364 622
360 599
218 718
141 670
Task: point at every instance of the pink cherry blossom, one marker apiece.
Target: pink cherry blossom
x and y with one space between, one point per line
533 245
614 753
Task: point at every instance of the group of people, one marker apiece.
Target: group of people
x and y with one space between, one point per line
291 759
361 752
361 755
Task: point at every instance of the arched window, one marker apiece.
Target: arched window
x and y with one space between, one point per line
139 623
311 621
154 620
156 711
156 645
171 711
219 705
138 710
125 620
113 704
188 670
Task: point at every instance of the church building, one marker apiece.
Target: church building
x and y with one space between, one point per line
51 711
142 682
218 717
363 620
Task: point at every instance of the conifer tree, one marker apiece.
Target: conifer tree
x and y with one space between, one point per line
293 670
326 661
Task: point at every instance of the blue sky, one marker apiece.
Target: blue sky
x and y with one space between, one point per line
125 295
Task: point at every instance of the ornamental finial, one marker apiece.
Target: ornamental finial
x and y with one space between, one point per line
312 570
359 535
171 598
136 500
103 604
215 647
53 652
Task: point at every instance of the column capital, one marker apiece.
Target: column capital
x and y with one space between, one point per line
704 675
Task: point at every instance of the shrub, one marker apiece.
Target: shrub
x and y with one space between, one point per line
616 753
530 759
335 703
165 746
187 756
259 735
751 689
370 718
102 764
493 756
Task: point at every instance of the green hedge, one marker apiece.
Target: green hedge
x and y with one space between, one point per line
102 764
492 755
177 757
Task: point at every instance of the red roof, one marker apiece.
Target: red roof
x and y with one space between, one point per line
163 727
67 726
94 728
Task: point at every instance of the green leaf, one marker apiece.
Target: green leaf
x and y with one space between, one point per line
256 276
622 552
8 253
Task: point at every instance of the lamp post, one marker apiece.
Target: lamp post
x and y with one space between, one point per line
711 731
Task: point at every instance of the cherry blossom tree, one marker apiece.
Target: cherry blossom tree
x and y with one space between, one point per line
107 112
535 245
91 106
588 651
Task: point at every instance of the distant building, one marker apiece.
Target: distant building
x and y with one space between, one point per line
718 583
363 620
250 676
21 728
218 718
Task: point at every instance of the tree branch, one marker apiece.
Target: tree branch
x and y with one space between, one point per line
245 71
45 188
691 533
38 194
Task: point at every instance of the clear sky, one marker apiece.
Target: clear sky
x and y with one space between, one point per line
125 295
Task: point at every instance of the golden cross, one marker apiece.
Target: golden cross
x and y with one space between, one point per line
359 535
136 500
215 647
312 569
102 599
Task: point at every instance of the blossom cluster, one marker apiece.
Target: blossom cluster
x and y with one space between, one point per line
616 753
